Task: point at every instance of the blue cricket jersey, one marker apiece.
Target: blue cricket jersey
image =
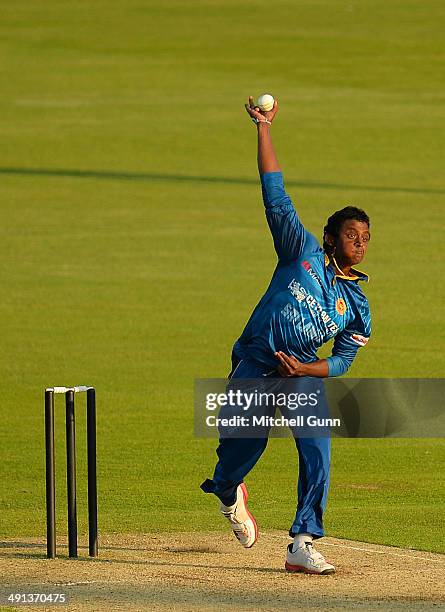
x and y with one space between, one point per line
306 303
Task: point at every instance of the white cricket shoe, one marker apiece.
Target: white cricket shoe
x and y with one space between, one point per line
306 559
242 522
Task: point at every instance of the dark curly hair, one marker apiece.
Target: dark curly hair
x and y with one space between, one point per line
336 221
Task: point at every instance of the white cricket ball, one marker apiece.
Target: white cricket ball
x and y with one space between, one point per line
265 102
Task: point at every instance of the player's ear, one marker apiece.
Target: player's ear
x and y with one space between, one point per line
329 239
329 243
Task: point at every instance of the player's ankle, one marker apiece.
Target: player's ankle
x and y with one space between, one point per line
300 539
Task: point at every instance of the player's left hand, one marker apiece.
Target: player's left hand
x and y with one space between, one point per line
289 366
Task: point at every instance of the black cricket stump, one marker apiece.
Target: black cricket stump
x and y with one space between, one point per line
70 470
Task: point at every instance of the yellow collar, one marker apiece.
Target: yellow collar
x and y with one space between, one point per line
356 274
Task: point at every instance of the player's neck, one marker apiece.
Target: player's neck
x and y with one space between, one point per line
340 267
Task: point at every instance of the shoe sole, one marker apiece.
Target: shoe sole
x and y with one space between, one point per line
250 515
301 569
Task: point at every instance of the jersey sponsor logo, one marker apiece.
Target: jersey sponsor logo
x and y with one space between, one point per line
360 340
340 306
303 296
307 266
298 291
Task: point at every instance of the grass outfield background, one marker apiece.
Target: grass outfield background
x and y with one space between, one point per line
134 247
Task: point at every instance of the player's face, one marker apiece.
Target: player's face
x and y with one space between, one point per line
352 241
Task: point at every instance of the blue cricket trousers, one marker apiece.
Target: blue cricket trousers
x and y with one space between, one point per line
237 456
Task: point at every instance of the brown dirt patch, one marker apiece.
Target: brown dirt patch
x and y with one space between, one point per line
212 572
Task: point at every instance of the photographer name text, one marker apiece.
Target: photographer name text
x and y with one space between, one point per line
271 421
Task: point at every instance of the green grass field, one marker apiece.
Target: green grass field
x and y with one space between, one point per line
134 246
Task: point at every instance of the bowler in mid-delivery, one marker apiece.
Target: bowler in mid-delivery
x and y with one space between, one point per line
314 296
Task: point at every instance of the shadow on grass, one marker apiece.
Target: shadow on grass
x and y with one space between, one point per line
150 177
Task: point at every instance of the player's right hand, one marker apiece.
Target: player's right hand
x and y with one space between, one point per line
258 114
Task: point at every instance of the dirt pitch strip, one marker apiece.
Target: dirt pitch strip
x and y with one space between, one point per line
182 572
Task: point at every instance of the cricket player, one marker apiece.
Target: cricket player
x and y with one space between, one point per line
314 295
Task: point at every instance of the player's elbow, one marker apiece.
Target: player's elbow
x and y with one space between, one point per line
338 365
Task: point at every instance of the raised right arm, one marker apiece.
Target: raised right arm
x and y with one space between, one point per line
267 159
290 237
